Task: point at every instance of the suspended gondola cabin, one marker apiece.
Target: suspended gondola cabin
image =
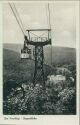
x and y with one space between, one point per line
26 51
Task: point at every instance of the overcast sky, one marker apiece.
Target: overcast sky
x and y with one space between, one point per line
34 15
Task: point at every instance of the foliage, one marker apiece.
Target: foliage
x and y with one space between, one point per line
56 98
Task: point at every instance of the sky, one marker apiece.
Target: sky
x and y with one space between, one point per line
35 15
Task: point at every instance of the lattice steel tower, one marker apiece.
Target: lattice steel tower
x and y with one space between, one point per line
39 43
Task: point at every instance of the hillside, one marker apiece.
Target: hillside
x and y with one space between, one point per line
14 67
18 70
59 98
60 55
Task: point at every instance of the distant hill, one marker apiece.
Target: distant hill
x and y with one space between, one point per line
14 47
13 67
60 55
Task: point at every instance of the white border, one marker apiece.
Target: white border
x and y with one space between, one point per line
41 119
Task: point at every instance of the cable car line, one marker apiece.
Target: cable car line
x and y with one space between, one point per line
25 51
17 19
50 28
49 16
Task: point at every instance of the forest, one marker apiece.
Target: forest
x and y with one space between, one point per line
21 97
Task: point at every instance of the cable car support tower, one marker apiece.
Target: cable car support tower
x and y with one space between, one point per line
39 55
38 42
39 76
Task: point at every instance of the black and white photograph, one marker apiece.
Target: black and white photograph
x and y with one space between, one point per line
39 58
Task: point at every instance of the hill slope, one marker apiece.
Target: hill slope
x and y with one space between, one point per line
60 55
17 69
14 67
36 101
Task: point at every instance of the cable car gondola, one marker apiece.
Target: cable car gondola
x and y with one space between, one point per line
25 53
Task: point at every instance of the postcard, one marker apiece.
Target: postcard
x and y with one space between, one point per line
39 62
